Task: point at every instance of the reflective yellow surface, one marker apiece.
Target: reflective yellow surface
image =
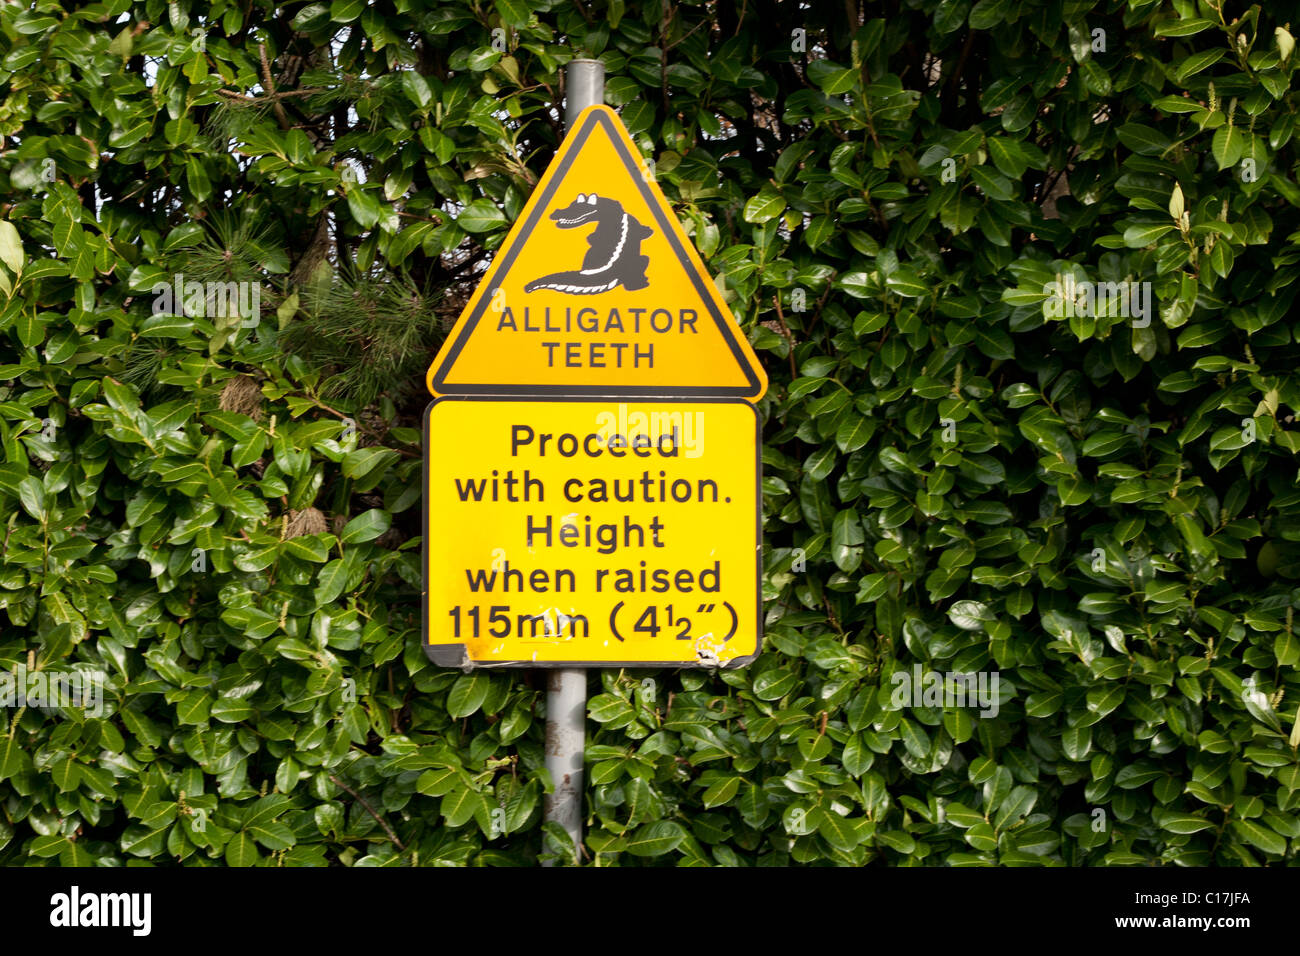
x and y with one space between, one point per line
593 531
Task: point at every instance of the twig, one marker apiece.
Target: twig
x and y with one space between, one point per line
687 34
371 810
954 81
789 337
269 83
830 614
1049 181
663 55
821 302
437 221
271 97
362 427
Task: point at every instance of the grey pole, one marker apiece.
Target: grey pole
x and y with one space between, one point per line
566 688
566 711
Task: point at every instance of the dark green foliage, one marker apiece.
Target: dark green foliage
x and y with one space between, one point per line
219 512
372 333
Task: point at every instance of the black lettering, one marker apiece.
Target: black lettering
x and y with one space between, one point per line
607 538
468 487
530 530
515 444
529 483
479 579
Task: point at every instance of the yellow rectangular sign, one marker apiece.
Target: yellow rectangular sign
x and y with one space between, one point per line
592 531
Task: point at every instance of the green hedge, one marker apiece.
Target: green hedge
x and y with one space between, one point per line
1097 509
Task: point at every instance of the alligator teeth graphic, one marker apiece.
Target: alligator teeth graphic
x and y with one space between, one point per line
614 257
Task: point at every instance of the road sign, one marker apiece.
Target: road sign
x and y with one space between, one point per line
572 531
597 291
592 470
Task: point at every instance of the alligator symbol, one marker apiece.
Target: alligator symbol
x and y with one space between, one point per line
615 255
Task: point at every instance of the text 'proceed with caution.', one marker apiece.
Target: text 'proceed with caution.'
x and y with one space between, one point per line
594 530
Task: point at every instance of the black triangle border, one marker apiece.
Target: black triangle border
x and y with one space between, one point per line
599 118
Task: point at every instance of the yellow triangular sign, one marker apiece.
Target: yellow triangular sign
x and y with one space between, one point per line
597 291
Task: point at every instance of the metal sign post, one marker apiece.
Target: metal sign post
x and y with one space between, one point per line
566 712
566 688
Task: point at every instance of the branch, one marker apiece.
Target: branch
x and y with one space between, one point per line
269 97
789 337
362 427
371 810
270 88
